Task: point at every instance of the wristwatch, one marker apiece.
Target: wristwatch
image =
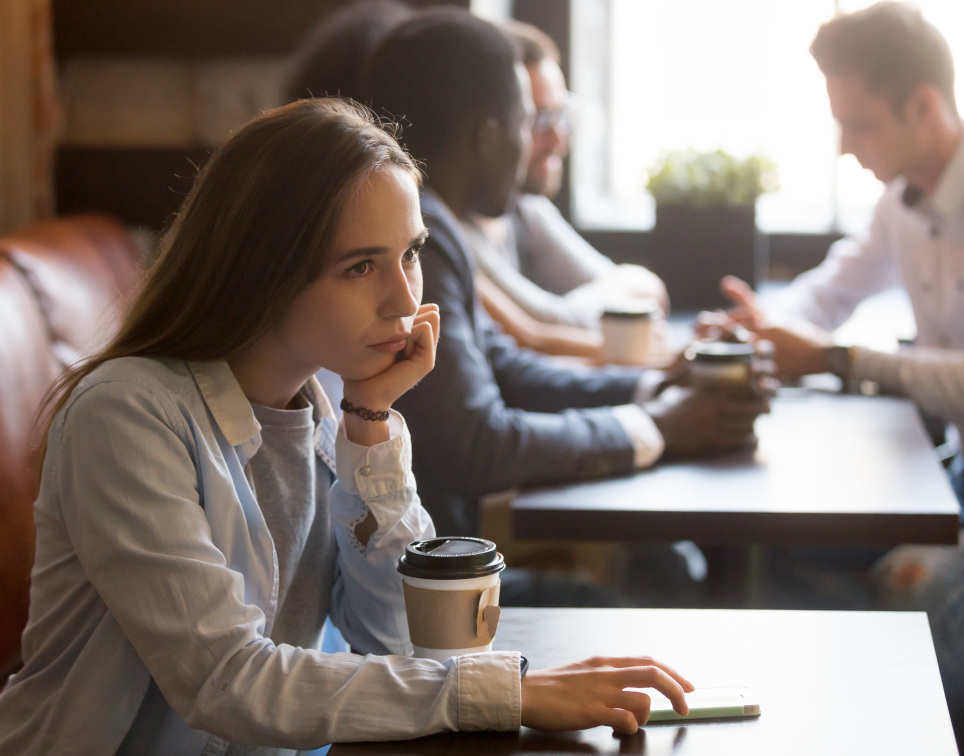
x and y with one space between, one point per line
523 666
840 361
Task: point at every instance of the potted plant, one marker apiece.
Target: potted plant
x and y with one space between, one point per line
706 222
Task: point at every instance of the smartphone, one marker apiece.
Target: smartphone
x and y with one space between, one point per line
707 703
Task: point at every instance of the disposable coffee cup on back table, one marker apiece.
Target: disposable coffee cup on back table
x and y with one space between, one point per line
627 329
451 595
719 364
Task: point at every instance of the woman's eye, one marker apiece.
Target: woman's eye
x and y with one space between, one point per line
413 254
361 268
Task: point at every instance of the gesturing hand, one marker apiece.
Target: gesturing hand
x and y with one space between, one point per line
594 692
740 322
746 311
380 391
799 347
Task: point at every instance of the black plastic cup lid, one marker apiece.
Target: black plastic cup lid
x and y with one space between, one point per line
450 559
632 309
720 351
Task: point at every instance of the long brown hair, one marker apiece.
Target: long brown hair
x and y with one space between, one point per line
249 237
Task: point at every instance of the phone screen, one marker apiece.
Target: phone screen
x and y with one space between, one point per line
707 703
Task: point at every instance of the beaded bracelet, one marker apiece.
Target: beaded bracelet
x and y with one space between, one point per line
364 413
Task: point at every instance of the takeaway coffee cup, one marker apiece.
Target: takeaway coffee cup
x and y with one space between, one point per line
451 595
626 330
719 364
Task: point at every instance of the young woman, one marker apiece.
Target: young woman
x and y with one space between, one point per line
201 512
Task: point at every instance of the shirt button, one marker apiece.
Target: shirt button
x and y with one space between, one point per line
365 471
224 686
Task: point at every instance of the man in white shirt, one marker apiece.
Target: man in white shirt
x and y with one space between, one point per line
890 81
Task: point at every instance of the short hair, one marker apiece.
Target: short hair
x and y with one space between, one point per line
534 44
329 60
891 47
439 72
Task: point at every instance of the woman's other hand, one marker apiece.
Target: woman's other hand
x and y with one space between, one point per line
599 691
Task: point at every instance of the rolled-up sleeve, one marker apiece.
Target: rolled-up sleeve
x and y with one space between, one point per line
490 692
367 601
480 691
934 378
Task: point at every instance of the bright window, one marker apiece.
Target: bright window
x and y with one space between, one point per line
662 75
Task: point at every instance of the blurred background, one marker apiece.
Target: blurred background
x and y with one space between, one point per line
111 105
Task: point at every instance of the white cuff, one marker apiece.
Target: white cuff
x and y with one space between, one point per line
647 441
490 691
370 471
648 383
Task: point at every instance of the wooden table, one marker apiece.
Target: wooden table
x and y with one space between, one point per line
828 682
829 469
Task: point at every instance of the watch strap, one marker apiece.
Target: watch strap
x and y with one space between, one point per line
840 361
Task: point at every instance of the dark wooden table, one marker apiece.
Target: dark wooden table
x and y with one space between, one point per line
829 469
849 683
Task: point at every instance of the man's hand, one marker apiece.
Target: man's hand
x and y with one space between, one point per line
799 348
695 422
641 282
739 322
745 311
594 692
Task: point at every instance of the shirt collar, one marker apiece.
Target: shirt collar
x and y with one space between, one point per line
326 422
235 417
948 198
224 398
319 400
448 223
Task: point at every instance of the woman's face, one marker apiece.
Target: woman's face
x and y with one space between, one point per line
354 319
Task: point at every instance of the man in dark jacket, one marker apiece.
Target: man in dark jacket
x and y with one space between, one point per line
492 416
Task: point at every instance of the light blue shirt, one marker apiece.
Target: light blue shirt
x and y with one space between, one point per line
154 567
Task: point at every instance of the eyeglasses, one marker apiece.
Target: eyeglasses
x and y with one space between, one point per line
559 118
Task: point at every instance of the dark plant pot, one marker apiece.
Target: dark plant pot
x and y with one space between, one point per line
694 247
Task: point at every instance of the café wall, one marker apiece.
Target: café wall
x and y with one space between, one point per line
146 89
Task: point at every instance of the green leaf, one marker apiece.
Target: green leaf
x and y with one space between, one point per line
689 177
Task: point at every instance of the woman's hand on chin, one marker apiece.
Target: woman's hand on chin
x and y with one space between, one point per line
379 392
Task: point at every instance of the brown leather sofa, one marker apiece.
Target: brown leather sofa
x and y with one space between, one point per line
64 285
